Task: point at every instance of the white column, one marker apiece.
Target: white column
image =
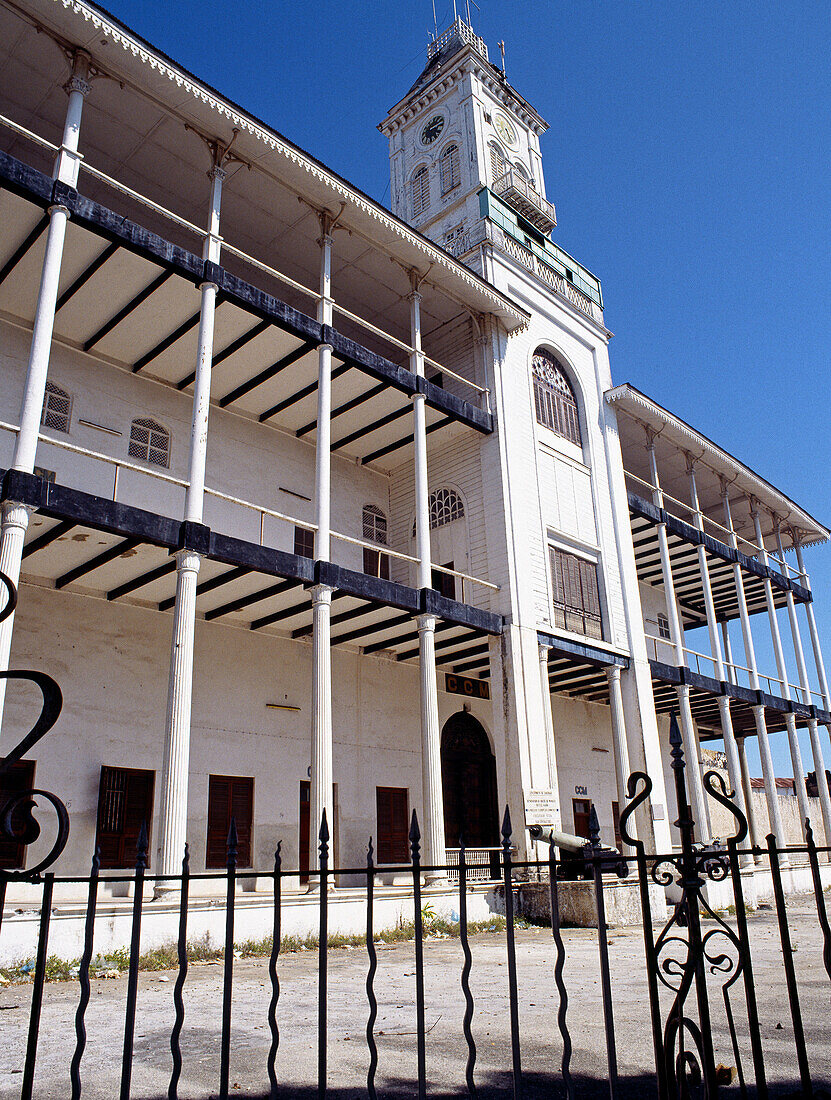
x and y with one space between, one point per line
432 824
173 810
322 784
693 769
813 731
816 747
730 748
551 745
768 773
728 652
15 516
782 672
752 826
621 749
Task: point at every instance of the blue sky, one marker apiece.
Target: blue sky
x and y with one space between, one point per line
688 159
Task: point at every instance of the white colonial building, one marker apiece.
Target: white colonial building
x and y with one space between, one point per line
313 506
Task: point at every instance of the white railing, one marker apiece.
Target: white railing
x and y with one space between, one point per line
554 279
482 393
695 517
119 464
519 193
481 864
462 30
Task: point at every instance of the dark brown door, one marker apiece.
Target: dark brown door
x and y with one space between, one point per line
229 796
21 777
581 808
125 802
305 830
468 776
393 826
444 583
616 823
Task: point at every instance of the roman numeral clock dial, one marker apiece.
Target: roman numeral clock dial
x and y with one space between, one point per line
432 128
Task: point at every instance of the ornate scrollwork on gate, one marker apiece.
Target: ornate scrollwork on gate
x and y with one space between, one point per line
683 955
18 822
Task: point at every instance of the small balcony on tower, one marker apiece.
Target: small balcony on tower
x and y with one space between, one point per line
519 194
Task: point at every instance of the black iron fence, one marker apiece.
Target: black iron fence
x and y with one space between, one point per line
698 962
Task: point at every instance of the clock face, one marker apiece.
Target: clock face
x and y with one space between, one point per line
432 129
505 130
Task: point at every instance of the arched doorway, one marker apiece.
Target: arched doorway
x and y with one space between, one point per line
468 779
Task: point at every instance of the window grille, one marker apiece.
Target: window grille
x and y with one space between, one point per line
57 408
445 506
304 542
150 442
449 172
554 398
576 596
663 626
376 564
421 191
498 164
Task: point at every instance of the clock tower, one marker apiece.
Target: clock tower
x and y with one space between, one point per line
460 129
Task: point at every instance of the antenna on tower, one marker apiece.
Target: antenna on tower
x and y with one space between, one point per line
435 23
467 2
455 13
502 51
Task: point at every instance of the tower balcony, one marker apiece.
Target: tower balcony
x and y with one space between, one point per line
518 193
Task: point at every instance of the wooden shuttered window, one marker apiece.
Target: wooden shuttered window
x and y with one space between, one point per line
125 800
575 594
393 826
20 778
229 796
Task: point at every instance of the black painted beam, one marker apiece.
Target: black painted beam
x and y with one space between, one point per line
390 447
346 616
86 275
23 248
287 613
48 537
168 342
375 628
251 598
108 555
232 349
209 586
266 375
348 406
163 570
470 665
125 311
446 644
390 418
304 392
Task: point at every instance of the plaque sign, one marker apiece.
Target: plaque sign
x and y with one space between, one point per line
540 807
466 685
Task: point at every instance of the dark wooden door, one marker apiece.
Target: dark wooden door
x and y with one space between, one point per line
305 829
581 808
125 802
229 796
21 777
393 825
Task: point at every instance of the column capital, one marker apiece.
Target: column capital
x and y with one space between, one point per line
217 173
322 593
16 514
188 561
613 673
426 622
77 84
543 652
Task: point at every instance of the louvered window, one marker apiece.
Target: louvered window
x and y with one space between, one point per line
449 169
150 442
125 801
663 626
576 596
374 524
393 832
554 399
19 778
421 191
57 408
229 796
498 164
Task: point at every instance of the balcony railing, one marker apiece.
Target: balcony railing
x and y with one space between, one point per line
518 193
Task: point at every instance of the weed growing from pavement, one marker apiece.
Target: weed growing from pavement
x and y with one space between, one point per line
166 956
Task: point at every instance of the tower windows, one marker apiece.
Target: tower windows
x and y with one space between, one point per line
150 442
57 408
554 398
449 172
498 163
374 524
420 187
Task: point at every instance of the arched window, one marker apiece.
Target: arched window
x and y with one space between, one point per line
554 398
150 442
374 526
57 408
445 506
449 169
498 163
420 187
